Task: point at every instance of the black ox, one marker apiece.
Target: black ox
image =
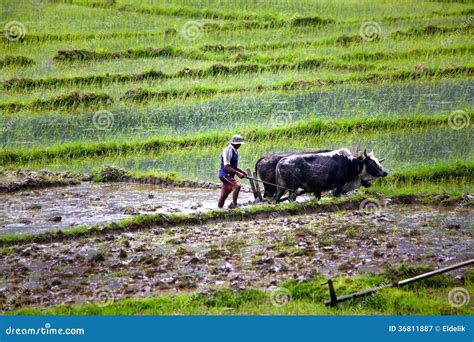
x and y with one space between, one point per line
318 172
265 168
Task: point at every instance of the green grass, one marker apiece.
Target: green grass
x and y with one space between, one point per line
245 10
432 173
428 297
150 89
48 17
310 128
110 40
70 101
321 62
19 84
409 192
237 53
9 61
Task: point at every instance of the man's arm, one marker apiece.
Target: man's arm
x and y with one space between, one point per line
236 171
227 155
242 171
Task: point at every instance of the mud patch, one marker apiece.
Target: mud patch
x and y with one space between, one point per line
90 204
258 253
16 180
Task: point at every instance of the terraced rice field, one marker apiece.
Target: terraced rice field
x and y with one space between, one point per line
99 95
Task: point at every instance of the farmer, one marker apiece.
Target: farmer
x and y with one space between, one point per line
228 170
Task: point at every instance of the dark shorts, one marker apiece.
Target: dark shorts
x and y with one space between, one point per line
228 182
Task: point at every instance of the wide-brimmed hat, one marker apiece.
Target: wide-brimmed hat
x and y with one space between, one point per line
237 140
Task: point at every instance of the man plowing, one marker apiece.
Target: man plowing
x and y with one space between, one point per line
228 170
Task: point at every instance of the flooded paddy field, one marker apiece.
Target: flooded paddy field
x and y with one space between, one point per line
402 150
258 252
231 113
62 208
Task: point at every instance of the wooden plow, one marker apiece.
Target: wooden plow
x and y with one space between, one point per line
254 184
334 300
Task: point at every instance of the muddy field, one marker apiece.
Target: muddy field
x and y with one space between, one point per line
254 253
61 208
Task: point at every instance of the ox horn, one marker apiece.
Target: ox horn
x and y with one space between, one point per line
381 160
357 151
365 152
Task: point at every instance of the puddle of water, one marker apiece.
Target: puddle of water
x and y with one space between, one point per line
90 204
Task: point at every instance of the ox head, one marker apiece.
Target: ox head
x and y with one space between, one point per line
372 167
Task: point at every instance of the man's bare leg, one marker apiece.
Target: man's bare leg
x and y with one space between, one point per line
224 194
235 195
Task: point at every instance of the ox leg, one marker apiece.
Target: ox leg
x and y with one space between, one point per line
265 190
317 195
302 192
292 196
269 190
278 193
337 192
266 194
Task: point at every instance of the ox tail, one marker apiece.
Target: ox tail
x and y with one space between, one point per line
278 178
256 165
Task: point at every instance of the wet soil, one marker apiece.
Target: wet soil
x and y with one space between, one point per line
61 208
15 180
254 253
